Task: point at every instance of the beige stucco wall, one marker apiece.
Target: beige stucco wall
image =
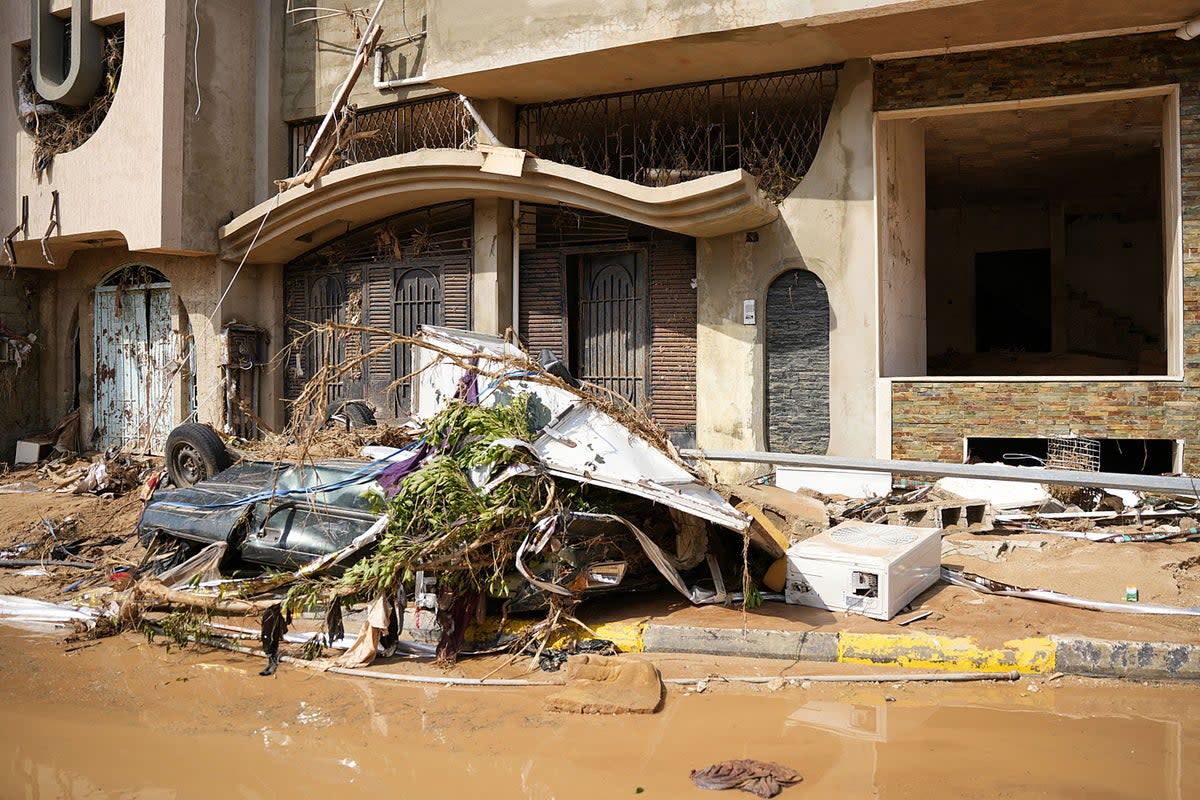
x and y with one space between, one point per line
197 284
158 175
826 226
475 35
317 55
901 187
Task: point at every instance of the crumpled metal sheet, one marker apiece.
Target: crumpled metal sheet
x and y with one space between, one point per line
576 441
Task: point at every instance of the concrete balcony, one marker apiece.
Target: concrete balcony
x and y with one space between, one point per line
165 167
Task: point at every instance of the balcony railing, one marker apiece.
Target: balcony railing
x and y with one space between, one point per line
439 122
768 125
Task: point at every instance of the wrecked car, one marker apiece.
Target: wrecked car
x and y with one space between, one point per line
520 485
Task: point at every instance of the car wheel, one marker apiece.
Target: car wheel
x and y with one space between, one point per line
194 453
353 414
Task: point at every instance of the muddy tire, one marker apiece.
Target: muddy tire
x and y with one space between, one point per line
353 414
194 453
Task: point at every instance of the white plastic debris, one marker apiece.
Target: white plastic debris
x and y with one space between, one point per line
1001 494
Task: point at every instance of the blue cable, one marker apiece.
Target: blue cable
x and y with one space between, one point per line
367 472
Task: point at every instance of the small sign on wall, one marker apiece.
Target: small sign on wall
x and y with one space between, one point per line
748 317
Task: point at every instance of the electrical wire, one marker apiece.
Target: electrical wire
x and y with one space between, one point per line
196 53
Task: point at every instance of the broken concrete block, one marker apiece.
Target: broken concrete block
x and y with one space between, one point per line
608 685
31 451
968 515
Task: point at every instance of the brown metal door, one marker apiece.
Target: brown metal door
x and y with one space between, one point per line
612 323
418 301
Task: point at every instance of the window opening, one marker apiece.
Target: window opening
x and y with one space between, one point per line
1043 239
1130 456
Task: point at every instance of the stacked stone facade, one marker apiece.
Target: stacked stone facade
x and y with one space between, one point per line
931 418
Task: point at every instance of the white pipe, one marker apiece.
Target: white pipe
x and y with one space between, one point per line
380 83
482 126
1189 30
884 677
516 267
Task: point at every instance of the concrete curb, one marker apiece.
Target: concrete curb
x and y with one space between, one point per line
1069 655
1124 659
1030 656
751 642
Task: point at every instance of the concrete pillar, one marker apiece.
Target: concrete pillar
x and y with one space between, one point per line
901 151
270 131
500 117
492 280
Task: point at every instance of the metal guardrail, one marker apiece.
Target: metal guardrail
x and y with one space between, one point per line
1155 484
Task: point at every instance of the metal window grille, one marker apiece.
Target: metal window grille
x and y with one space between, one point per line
439 122
1073 452
768 125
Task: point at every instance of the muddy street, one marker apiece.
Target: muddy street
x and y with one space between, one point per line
125 718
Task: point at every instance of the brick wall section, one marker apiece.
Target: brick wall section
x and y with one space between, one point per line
930 418
797 318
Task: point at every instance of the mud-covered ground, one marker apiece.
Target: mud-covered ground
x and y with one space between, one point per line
122 718
100 530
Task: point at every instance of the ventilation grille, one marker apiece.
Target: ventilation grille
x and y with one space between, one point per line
863 535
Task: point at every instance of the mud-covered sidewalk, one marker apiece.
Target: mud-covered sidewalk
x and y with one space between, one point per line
952 627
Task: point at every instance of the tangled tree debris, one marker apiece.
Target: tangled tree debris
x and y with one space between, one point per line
513 487
57 128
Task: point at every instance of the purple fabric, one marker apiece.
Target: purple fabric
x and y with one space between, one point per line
468 384
391 478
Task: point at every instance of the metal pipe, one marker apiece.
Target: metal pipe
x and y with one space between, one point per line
930 677
1155 484
398 83
1189 30
479 123
33 562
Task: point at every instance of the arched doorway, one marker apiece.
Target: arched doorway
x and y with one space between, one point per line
797 364
134 360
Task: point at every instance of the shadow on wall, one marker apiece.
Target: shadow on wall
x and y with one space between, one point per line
21 412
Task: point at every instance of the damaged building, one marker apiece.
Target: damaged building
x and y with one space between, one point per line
946 230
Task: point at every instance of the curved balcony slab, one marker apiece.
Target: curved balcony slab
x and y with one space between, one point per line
301 218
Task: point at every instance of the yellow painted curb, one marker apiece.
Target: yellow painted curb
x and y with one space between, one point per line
627 636
1034 655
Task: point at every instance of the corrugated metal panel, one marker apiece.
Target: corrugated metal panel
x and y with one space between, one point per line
456 291
542 324
673 333
377 302
135 355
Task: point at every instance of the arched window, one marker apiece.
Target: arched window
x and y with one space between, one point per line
797 335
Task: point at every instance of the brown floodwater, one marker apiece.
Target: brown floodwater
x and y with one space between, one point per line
127 719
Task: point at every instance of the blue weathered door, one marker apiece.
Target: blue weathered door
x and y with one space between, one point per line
135 353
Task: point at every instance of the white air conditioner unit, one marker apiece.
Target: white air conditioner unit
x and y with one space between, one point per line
864 568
